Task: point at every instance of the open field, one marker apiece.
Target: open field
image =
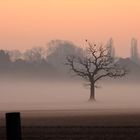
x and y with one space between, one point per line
78 117
59 110
78 133
78 124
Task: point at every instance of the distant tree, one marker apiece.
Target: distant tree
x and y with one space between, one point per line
4 57
58 50
14 55
5 62
95 65
19 63
35 54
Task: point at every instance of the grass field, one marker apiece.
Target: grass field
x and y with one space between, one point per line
58 111
78 125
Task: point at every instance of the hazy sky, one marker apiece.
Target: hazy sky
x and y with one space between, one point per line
28 23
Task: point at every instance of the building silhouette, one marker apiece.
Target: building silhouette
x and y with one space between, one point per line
111 47
134 50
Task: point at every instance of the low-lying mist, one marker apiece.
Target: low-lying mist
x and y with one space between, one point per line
24 94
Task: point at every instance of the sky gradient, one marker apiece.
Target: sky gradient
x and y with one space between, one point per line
28 23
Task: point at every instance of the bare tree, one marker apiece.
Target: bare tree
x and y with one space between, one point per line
58 50
95 65
14 55
35 54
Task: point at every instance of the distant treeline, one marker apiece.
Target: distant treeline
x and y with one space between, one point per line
50 61
38 61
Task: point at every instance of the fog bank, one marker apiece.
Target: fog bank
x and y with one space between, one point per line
60 95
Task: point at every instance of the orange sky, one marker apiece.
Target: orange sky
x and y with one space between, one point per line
28 23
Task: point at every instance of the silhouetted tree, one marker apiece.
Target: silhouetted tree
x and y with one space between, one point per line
58 50
35 54
5 62
14 55
95 65
20 65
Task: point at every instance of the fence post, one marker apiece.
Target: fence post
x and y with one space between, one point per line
13 126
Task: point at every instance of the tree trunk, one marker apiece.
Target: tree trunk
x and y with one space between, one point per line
92 92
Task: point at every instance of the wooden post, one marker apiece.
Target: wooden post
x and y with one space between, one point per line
13 126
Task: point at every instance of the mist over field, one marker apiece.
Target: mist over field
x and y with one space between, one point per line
26 94
41 79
